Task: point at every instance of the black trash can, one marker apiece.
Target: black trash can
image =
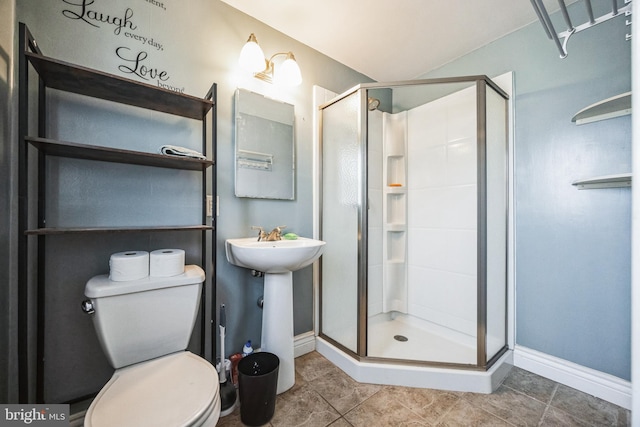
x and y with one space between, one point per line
258 382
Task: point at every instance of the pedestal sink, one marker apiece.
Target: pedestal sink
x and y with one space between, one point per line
277 260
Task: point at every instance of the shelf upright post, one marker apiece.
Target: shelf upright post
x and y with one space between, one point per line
26 43
214 195
208 261
23 294
41 289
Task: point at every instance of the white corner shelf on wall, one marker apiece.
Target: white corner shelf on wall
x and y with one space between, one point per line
605 181
616 106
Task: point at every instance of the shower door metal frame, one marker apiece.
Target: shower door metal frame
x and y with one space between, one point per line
483 361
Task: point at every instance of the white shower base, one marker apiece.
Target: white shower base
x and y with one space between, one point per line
425 340
418 376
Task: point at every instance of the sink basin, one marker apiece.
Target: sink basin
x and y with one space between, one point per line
276 260
279 256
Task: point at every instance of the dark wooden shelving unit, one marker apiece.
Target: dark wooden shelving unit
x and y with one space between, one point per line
33 152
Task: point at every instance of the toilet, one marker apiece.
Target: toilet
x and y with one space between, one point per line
144 328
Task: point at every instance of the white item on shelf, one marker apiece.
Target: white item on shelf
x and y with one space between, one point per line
166 262
174 150
129 265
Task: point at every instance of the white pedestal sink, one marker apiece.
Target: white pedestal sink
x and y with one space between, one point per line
277 260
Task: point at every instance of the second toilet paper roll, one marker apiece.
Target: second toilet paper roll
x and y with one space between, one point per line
166 262
129 265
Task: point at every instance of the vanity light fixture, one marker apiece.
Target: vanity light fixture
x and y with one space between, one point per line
253 60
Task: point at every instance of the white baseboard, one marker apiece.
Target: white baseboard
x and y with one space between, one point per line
604 386
304 343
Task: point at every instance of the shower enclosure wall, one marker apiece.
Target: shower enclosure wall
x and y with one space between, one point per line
414 213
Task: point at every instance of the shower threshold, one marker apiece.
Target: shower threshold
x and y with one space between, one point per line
418 376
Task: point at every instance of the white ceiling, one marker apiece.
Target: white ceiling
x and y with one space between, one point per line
390 40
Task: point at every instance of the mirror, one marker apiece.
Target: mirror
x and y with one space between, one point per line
264 153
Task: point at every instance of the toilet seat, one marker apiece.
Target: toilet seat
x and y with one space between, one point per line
178 390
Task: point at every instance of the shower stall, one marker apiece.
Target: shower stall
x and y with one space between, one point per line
414 210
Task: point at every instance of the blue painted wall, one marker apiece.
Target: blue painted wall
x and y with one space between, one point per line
202 41
572 247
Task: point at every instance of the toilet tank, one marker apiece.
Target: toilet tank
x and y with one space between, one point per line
143 319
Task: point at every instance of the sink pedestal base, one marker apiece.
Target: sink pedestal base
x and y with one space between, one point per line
277 325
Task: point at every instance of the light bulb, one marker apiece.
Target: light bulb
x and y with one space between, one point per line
251 56
289 72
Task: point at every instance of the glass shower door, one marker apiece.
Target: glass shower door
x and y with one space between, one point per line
341 178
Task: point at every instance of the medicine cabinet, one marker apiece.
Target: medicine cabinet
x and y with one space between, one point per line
264 147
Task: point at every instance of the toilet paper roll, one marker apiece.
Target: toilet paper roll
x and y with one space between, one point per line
129 265
166 262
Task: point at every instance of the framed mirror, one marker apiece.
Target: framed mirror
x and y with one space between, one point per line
264 147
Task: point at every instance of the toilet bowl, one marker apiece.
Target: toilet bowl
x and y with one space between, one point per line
144 327
178 390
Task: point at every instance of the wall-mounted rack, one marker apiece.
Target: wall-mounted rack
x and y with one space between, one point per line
562 38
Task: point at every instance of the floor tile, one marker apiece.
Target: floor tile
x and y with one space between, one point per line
540 388
429 404
557 418
342 392
510 405
464 414
303 407
586 407
340 422
381 410
313 365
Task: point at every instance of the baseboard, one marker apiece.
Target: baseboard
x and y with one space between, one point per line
304 343
604 386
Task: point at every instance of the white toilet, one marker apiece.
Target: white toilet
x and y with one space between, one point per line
144 327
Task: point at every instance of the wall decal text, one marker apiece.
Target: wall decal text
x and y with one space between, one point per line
136 67
89 16
157 3
136 61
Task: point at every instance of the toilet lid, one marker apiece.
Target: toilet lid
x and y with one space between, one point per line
174 391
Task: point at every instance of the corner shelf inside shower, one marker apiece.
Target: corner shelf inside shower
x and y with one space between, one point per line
394 212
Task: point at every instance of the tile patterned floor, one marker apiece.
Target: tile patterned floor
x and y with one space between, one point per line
325 396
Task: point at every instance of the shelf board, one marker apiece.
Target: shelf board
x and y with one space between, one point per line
395 227
605 181
93 230
615 106
395 190
85 81
106 154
